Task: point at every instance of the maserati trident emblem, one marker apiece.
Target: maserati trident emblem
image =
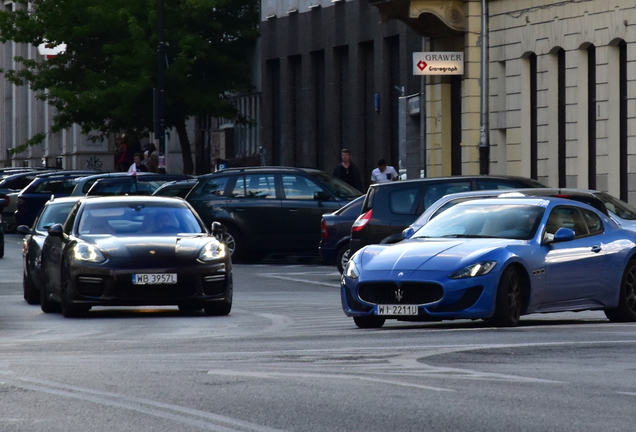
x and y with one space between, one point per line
399 294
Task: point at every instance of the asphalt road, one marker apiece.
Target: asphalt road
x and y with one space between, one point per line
287 359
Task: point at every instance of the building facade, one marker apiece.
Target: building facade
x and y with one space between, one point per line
23 116
332 78
559 87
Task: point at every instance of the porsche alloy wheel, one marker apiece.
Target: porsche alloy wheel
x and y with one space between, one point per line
367 322
626 309
509 301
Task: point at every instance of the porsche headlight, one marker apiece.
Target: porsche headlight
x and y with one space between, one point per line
88 252
351 271
478 269
212 251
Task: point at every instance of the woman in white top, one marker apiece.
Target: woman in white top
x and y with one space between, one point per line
383 173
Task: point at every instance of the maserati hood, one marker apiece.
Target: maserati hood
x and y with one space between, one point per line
427 254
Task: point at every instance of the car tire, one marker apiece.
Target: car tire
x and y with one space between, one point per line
2 248
69 309
46 304
31 293
626 309
342 258
509 300
220 308
368 322
235 244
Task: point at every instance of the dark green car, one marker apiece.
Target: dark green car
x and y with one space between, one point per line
269 210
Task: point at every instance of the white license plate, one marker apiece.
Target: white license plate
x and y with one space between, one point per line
397 310
154 278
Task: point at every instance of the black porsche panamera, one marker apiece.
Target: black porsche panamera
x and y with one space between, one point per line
133 251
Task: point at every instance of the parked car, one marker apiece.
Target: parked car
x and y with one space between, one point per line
497 259
336 233
131 251
132 185
54 211
11 185
15 182
392 206
33 197
1 237
602 201
178 188
269 209
83 184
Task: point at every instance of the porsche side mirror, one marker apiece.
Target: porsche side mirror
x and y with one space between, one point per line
56 230
218 230
23 229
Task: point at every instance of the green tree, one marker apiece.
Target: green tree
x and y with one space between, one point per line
104 79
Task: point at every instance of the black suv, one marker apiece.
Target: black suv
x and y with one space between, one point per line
392 206
269 209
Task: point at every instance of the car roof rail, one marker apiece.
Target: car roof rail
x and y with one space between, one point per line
255 168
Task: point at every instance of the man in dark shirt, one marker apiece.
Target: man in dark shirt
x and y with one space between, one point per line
347 171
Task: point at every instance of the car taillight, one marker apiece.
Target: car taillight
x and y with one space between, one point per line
362 221
323 229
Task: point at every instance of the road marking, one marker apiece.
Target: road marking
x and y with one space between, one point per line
212 422
321 376
296 279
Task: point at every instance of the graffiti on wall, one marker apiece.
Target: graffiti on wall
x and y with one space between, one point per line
93 162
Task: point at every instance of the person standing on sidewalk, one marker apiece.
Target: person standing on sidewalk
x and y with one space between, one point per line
383 173
347 171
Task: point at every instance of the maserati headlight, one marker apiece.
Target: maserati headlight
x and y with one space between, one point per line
212 251
351 271
478 269
88 252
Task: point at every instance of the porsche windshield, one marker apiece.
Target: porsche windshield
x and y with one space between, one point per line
512 221
133 219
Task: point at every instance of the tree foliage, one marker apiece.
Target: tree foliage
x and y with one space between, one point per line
104 79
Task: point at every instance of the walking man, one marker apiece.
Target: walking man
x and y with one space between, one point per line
347 171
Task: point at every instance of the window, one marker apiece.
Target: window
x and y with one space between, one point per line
567 217
437 191
56 186
593 222
403 201
299 187
255 186
213 186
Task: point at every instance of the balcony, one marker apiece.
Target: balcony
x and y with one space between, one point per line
430 18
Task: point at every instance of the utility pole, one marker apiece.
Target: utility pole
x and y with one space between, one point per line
484 145
159 93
